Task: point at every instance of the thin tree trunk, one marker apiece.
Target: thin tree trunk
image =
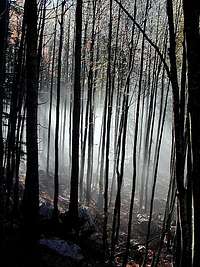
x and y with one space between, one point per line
91 107
56 182
109 93
51 91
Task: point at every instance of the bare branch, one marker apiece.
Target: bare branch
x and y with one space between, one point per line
147 38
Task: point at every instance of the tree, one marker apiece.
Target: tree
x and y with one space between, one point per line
31 192
51 89
185 258
73 206
108 104
192 36
56 183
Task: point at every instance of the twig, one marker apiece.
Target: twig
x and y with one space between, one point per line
147 38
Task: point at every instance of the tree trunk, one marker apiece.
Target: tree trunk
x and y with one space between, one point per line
73 205
191 23
56 184
31 192
51 91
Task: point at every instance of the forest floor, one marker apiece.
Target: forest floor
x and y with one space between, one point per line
60 247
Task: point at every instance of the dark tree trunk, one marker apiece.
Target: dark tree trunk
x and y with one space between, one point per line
31 192
73 206
56 184
179 144
51 91
109 93
41 36
91 107
84 130
192 34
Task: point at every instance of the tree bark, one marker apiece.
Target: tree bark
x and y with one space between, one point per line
56 182
73 205
192 34
31 192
